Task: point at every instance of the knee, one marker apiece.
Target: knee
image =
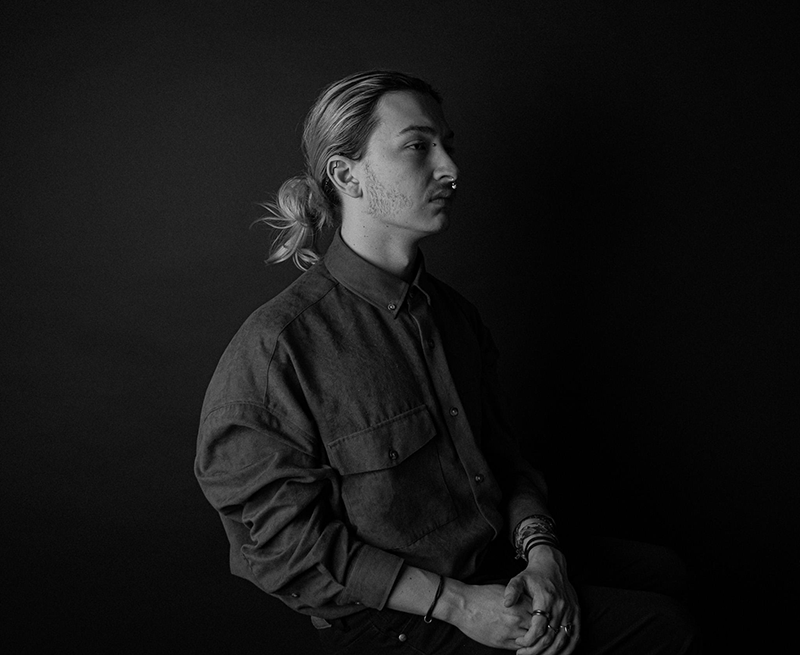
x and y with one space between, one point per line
673 573
625 621
672 629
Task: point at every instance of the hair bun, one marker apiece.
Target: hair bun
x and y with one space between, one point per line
318 205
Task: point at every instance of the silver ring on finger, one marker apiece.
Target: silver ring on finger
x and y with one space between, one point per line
541 613
566 627
550 627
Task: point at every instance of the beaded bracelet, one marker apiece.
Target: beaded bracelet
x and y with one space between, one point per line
537 525
540 541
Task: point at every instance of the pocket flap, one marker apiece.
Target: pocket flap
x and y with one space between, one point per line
384 445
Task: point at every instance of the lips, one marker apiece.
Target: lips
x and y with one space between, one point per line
444 194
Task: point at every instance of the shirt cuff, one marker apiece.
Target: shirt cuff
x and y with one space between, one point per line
372 577
521 507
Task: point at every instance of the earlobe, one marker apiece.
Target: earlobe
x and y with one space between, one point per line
340 173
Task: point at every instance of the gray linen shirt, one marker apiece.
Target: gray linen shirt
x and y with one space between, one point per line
351 425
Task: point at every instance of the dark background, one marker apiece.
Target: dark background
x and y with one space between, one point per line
627 224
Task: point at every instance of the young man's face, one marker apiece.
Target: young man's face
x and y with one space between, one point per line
407 168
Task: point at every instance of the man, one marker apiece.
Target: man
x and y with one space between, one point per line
351 438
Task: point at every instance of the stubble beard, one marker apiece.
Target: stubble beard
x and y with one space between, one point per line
384 202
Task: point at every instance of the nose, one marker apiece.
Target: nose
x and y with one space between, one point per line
445 166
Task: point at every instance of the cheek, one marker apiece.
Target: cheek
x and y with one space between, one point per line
385 199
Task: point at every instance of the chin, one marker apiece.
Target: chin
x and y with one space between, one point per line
441 224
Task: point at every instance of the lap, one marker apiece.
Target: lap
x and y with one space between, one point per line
632 622
630 596
371 632
626 564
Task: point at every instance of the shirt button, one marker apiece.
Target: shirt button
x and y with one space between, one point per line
392 454
454 411
430 344
391 306
479 478
295 595
401 637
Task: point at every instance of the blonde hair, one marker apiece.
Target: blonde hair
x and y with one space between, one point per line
339 123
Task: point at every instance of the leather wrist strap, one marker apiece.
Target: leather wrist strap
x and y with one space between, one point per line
429 614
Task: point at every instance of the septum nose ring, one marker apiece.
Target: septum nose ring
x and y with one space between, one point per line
453 183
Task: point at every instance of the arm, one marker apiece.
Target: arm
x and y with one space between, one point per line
275 502
544 587
477 610
265 476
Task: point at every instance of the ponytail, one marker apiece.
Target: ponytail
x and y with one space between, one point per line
339 123
300 211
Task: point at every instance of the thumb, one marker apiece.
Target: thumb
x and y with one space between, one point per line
512 592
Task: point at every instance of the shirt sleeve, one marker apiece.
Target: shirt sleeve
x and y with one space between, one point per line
266 478
524 487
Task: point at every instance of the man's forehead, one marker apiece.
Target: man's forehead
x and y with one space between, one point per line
397 111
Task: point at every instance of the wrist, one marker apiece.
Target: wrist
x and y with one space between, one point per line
544 554
428 617
533 531
451 602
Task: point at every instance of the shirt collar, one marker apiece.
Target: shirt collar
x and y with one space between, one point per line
384 290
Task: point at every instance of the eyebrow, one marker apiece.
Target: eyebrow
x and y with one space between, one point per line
425 129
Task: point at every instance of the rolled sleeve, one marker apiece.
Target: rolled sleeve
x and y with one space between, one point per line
372 577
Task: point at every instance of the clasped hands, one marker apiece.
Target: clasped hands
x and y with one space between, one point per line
536 613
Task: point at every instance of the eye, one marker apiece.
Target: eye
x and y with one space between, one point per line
418 145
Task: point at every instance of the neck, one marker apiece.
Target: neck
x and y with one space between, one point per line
395 254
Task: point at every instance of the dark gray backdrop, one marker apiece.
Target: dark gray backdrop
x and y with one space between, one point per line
626 224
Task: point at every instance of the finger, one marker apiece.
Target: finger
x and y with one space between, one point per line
572 644
554 640
558 641
561 615
565 611
537 633
574 635
513 592
567 637
569 640
541 645
568 624
541 617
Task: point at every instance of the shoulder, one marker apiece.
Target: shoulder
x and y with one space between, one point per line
243 371
302 296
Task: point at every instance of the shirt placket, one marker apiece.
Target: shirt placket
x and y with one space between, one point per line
474 465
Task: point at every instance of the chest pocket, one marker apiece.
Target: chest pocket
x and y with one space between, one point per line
393 486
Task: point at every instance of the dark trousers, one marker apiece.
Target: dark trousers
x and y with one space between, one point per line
632 598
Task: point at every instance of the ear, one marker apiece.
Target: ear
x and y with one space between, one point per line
340 173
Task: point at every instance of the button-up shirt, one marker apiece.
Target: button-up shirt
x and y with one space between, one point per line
352 425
